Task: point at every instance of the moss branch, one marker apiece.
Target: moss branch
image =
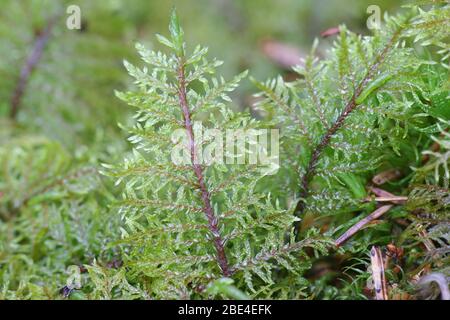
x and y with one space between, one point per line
350 106
213 222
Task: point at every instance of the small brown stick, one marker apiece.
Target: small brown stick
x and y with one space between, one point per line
380 192
30 64
394 199
378 276
383 196
355 228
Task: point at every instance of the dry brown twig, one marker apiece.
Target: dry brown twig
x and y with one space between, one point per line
378 275
380 196
360 224
385 196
